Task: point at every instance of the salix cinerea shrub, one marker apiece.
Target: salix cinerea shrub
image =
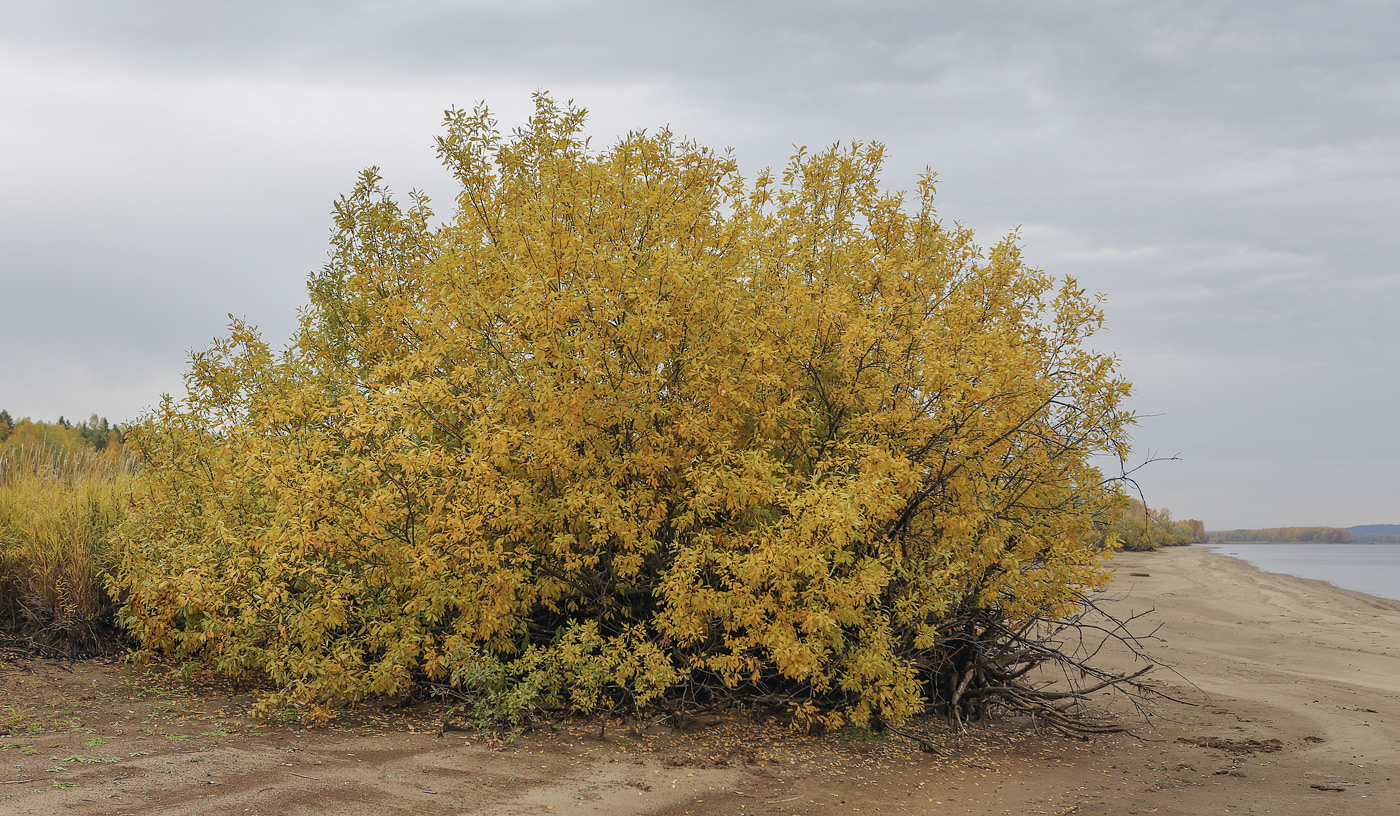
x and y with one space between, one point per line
626 424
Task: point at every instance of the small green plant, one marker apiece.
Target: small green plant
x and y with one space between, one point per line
13 718
855 734
65 784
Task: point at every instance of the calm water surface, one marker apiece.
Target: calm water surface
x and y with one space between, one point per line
1370 568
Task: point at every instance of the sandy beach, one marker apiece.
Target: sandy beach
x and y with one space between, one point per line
1286 701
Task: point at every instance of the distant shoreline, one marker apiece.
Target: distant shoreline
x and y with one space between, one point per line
1367 567
1356 534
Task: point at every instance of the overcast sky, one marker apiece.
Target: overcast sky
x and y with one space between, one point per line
1228 174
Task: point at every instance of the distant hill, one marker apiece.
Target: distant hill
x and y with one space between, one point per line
1369 529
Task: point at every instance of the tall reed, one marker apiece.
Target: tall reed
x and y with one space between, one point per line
57 507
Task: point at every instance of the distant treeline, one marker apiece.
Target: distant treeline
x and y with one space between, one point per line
1360 534
96 433
1376 533
1377 538
1329 535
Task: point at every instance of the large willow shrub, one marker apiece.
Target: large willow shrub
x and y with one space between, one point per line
628 424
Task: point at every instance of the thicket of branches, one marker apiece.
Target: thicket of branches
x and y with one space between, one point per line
629 426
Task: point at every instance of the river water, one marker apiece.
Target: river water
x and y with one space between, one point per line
1370 568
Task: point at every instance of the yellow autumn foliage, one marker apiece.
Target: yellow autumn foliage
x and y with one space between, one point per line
629 424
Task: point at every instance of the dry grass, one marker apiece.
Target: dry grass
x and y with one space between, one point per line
57 507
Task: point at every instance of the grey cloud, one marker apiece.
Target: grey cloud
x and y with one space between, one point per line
1226 173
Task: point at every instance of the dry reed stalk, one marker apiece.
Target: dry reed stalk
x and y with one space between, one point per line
57 507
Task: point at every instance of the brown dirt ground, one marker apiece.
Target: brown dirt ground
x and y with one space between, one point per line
1288 702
